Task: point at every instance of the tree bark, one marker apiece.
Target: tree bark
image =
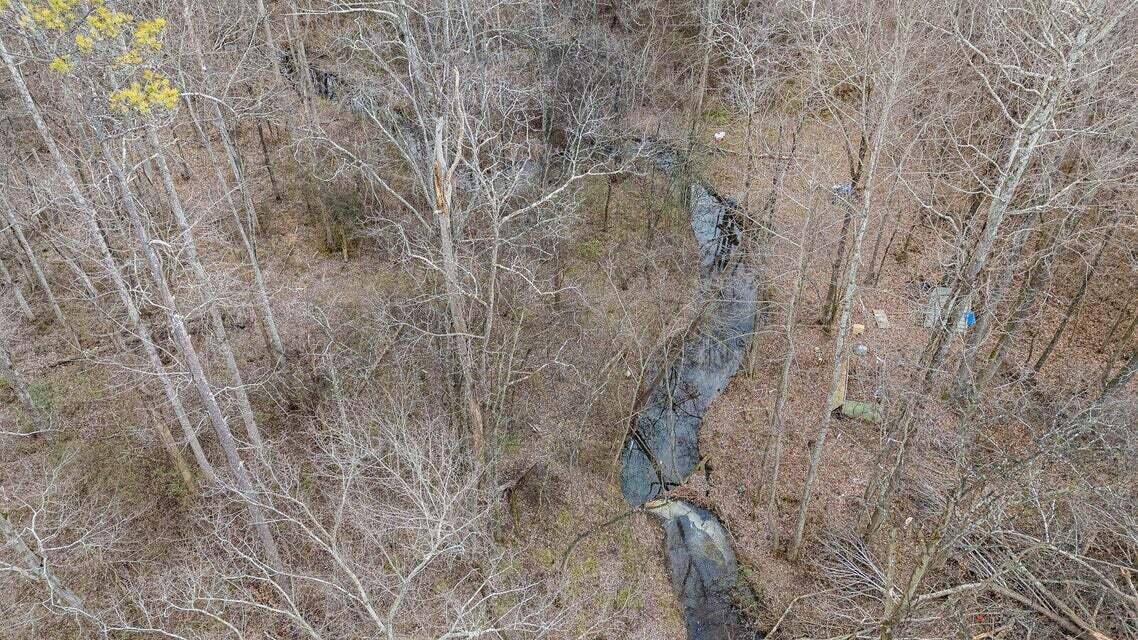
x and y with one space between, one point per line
172 450
193 361
1077 300
776 425
33 260
17 293
965 372
248 237
1123 378
39 568
442 188
107 261
829 309
13 377
1025 140
198 269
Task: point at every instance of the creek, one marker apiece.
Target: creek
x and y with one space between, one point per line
662 447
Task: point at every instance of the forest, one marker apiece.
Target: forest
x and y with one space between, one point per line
590 319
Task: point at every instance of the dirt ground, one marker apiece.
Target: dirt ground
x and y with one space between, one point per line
629 297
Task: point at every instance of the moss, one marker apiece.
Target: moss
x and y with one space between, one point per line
717 115
590 250
544 556
628 598
582 570
672 613
631 554
43 396
565 520
510 442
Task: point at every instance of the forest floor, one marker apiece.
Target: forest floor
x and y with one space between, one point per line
633 288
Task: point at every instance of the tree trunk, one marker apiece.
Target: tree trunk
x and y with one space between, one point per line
879 490
12 376
268 164
846 306
17 292
765 231
1123 378
107 261
965 372
39 567
248 237
1026 139
266 25
1077 300
261 295
191 253
829 309
232 154
875 145
707 26
172 450
197 372
33 260
442 185
776 426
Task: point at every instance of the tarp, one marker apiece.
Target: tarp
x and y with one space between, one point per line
861 411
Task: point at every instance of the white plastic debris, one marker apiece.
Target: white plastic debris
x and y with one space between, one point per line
720 135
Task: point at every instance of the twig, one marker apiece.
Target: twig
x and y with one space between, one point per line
594 529
771 631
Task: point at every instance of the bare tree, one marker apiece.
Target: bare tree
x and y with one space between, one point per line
890 71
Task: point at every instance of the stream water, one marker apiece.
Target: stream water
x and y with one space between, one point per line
662 448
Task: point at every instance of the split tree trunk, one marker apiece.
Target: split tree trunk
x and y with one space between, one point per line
442 187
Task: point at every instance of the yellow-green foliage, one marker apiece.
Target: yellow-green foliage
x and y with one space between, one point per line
98 33
84 42
106 24
147 34
60 65
581 570
544 556
129 58
717 115
54 15
590 250
43 396
628 598
155 90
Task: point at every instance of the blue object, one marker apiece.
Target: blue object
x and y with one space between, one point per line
969 318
